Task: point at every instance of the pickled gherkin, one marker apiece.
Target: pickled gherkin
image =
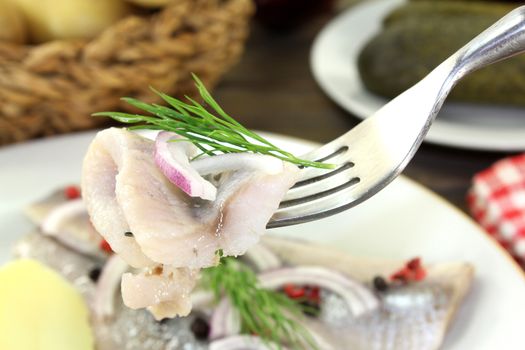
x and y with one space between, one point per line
419 35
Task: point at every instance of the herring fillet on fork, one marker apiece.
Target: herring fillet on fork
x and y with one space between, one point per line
373 153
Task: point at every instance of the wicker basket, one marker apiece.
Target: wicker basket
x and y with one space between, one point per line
55 87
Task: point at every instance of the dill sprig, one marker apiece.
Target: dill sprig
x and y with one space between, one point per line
212 131
269 314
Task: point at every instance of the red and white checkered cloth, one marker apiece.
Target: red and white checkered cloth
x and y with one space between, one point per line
497 201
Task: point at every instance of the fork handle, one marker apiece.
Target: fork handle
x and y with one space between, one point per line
503 39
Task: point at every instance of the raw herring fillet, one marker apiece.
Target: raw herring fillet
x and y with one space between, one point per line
412 317
164 291
446 285
125 191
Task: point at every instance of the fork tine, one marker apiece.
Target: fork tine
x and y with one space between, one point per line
337 156
367 176
327 151
317 208
316 185
307 180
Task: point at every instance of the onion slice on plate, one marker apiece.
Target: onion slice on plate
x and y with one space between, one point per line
54 225
54 221
107 285
359 299
243 342
225 320
262 258
173 159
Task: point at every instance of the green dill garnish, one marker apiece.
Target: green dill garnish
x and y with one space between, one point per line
213 132
269 314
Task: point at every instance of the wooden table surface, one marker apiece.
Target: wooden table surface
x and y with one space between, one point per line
272 89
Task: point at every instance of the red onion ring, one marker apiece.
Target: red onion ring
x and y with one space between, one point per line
172 158
359 299
107 285
225 320
53 225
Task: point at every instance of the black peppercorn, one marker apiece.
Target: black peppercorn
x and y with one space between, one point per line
200 328
164 320
310 308
94 274
380 284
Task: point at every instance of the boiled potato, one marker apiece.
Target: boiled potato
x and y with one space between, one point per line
70 19
150 3
12 24
40 310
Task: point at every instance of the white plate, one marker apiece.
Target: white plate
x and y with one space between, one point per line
402 221
334 66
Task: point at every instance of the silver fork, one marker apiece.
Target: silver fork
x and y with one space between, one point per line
373 153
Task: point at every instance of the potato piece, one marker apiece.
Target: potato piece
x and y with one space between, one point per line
70 19
40 310
150 3
12 23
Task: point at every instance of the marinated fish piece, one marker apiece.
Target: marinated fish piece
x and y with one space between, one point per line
153 224
164 290
411 317
124 191
63 216
414 316
110 151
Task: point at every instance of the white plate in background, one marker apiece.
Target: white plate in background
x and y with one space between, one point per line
333 62
402 221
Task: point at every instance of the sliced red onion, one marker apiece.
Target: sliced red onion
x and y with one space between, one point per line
358 298
107 286
225 321
53 225
243 342
262 258
54 221
172 158
235 161
225 324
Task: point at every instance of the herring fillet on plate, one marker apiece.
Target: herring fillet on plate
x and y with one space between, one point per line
413 316
153 224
